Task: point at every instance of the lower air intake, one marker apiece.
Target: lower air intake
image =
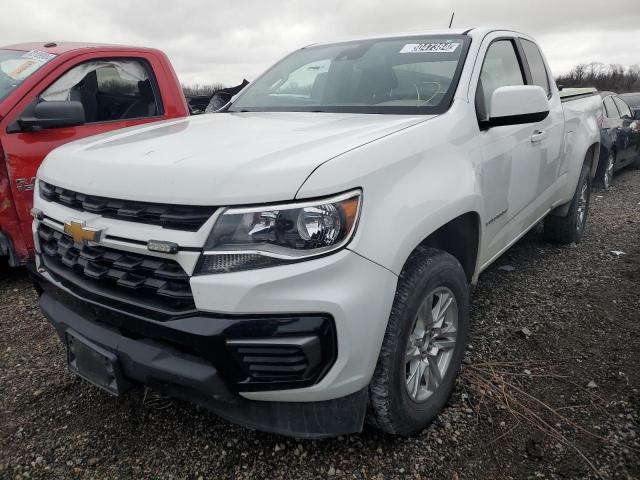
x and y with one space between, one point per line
278 359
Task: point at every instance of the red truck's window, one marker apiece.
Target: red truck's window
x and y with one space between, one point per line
108 90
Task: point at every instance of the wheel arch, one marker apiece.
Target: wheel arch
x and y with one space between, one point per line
590 159
459 237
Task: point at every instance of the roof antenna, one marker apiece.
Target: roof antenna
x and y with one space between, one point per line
451 21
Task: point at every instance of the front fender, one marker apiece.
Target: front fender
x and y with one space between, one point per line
413 182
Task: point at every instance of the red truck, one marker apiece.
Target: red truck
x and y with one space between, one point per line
54 93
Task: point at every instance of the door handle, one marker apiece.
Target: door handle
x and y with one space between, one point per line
538 136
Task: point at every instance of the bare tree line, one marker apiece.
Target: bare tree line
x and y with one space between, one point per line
612 77
197 89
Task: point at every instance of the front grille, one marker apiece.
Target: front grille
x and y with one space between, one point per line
143 280
177 217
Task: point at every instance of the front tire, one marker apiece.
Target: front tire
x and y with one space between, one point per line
570 228
423 345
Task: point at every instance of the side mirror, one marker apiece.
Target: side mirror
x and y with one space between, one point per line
517 105
54 114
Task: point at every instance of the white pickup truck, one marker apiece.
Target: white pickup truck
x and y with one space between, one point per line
301 261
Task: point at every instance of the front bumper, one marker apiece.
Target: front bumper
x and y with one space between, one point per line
158 356
190 356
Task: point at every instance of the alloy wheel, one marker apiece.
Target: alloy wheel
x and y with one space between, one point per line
431 343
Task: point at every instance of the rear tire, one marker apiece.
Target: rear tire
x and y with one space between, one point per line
423 345
604 176
570 228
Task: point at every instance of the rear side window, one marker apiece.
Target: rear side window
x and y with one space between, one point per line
536 65
623 108
501 68
610 108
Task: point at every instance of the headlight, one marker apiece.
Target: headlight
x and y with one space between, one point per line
258 237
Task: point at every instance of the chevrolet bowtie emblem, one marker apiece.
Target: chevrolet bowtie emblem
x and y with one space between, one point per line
80 233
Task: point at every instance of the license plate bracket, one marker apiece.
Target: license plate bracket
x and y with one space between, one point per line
94 364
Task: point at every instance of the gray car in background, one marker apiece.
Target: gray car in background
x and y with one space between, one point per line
620 138
633 100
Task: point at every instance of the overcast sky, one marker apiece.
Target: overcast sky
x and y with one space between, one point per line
212 41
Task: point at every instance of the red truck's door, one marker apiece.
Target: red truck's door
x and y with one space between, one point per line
116 91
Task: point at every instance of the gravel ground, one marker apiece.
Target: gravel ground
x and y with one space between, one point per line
549 389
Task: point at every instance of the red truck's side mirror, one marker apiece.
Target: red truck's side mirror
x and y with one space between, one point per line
54 114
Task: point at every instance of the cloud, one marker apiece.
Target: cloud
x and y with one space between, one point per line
224 42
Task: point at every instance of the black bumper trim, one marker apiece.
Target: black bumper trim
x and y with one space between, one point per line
205 335
175 366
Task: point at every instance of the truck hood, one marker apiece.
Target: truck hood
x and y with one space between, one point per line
214 159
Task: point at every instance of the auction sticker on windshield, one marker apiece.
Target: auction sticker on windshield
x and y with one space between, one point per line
38 56
21 67
430 47
18 65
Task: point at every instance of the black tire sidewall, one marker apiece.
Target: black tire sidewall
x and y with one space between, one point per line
584 178
442 270
564 229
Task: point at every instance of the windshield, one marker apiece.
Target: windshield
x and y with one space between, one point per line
16 66
407 75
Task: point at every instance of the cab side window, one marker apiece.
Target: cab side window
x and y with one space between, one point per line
108 90
501 68
610 108
537 67
623 108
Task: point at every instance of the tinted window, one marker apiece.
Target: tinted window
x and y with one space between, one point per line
610 108
501 68
623 108
536 65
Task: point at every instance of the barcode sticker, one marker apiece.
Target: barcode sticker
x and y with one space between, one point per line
446 47
38 56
